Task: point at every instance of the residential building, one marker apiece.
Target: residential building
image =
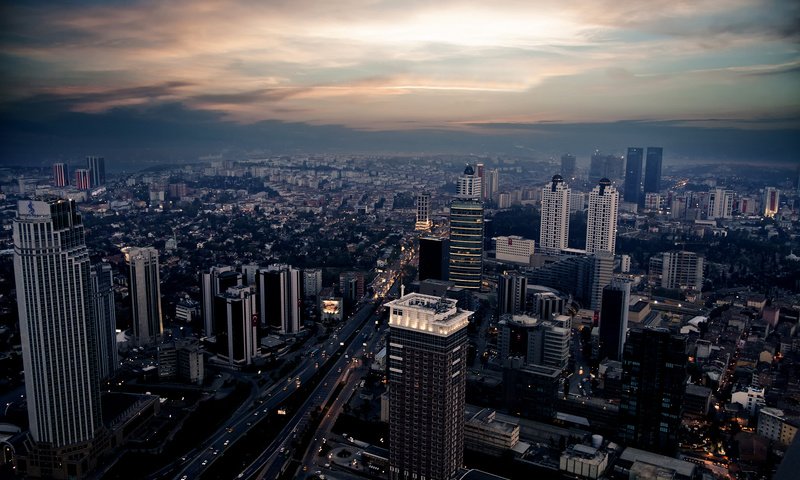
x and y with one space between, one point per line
677 269
511 290
83 179
554 230
720 203
771 201
601 218
60 175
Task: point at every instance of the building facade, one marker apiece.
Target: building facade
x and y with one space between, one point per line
652 170
427 368
60 175
58 336
278 298
423 204
236 325
83 179
466 243
514 249
433 258
144 287
554 231
633 175
601 218
614 319
97 169
105 316
214 281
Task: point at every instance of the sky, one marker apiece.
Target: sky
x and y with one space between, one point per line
189 76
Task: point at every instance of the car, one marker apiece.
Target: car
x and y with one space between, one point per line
205 462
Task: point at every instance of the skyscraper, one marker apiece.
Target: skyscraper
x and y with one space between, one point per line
312 282
466 233
427 355
597 167
214 281
58 335
653 386
432 258
601 218
720 203
60 175
511 290
491 182
771 201
652 172
97 169
567 165
279 298
105 318
633 175
423 203
614 319
554 231
145 293
83 180
236 325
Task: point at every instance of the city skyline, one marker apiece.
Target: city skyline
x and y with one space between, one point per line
372 75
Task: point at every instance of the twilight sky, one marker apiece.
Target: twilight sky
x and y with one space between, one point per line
502 67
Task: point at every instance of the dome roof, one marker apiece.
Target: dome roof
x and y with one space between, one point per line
557 178
469 170
604 181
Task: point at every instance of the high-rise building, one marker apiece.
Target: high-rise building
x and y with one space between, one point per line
653 386
312 282
601 218
423 204
58 335
582 276
720 203
469 185
652 170
83 180
568 165
236 325
432 258
614 319
554 231
466 243
511 289
214 281
427 369
677 269
97 169
633 175
597 167
351 285
60 175
480 171
492 183
145 292
771 201
105 316
278 298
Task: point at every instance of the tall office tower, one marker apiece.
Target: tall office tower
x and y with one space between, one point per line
568 165
511 289
597 167
432 258
427 355
278 298
59 348
720 203
652 170
533 341
492 184
236 325
97 169
615 166
60 175
102 281
678 269
653 386
480 171
214 281
584 277
466 244
83 180
312 282
614 319
145 292
601 218
633 175
423 202
469 185
771 201
554 231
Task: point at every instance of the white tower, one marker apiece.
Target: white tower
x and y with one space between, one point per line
51 266
601 218
554 231
423 203
469 185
